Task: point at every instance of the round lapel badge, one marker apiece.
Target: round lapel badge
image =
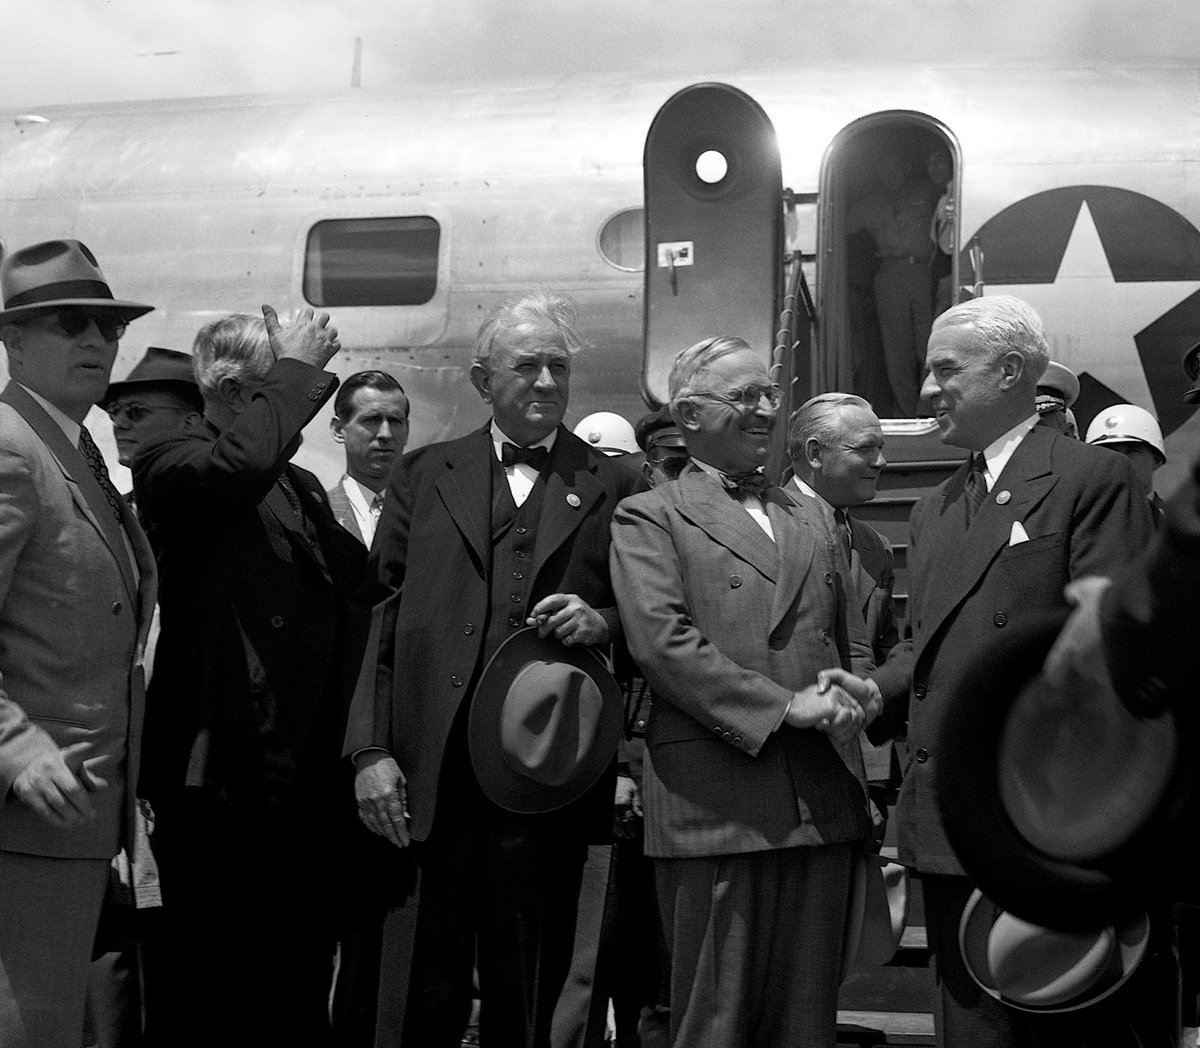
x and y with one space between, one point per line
1003 497
573 500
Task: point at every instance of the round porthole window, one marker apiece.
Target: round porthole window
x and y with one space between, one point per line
622 240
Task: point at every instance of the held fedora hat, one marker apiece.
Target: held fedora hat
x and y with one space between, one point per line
1036 969
41 277
164 368
1063 806
544 723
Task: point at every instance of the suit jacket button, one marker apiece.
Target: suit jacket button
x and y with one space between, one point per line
919 692
468 629
735 581
717 728
640 724
725 735
456 681
1000 619
825 637
922 755
829 578
277 621
116 607
737 740
522 531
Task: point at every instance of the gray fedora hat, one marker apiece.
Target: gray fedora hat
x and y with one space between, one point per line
39 278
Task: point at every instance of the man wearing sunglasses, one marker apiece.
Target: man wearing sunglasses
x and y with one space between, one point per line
77 585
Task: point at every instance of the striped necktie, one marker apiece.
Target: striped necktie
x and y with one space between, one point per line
975 486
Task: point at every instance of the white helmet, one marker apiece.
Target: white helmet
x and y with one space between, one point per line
1126 423
608 432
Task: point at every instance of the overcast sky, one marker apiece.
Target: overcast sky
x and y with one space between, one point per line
80 50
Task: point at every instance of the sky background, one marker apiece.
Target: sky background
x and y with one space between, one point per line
96 50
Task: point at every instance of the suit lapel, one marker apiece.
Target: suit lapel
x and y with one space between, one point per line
466 490
965 554
795 542
572 489
81 482
705 503
343 512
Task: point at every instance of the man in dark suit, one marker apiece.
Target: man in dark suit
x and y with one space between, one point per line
1030 511
77 585
370 418
754 798
479 537
835 443
244 714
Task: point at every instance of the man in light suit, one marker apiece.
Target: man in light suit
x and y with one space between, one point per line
246 705
1027 513
835 443
754 798
480 537
370 417
77 584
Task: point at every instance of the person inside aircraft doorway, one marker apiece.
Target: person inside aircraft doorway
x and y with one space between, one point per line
898 213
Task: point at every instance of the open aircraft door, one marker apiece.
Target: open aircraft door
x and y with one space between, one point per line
714 227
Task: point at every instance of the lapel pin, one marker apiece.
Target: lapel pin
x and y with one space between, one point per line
573 500
1003 497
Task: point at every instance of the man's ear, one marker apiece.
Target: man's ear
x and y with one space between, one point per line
687 415
1012 367
481 379
192 422
13 338
337 428
229 389
812 453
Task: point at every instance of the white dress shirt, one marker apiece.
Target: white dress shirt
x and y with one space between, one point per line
366 506
753 504
521 475
1000 450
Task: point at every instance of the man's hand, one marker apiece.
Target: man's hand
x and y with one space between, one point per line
570 619
864 691
382 794
57 786
1078 652
309 337
827 708
627 805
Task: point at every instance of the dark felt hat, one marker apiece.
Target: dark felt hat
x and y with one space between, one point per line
1062 805
55 273
544 723
1191 366
161 368
658 427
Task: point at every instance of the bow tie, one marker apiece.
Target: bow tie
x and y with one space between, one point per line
741 485
510 455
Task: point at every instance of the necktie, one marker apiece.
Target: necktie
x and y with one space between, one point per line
376 506
95 461
741 485
975 486
510 455
843 526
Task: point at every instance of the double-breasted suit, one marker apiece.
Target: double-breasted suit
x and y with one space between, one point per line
75 608
1059 510
726 625
252 674
442 608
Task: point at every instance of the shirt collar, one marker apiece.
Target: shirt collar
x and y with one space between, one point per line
69 426
500 438
1000 450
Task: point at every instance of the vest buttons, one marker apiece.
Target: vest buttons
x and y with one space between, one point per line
522 530
116 607
468 629
735 581
456 681
277 621
514 621
1000 619
919 692
516 598
922 755
518 576
825 637
519 554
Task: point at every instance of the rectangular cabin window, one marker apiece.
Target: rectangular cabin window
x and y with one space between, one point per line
372 261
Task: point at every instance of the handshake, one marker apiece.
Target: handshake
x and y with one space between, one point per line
839 704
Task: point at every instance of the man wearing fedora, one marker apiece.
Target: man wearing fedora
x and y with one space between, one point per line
246 702
733 599
994 546
481 537
77 584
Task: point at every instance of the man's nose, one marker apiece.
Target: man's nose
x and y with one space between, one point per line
929 387
545 379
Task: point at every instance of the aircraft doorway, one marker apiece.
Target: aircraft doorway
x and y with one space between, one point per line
888 256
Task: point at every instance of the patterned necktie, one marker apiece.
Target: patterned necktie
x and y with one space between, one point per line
91 455
510 455
843 526
376 506
975 486
742 485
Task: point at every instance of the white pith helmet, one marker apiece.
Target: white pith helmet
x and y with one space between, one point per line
608 432
1127 423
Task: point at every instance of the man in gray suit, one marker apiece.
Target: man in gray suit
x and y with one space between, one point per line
77 585
370 417
835 443
754 799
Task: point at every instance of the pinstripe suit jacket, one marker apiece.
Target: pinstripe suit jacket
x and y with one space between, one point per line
726 625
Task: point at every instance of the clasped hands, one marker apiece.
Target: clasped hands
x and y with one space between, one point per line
839 704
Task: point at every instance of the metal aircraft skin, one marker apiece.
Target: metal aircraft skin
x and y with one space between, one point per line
1081 184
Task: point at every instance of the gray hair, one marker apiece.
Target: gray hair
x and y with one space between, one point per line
817 419
1005 324
235 346
539 305
691 365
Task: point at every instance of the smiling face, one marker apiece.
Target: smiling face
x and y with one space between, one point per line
846 470
70 371
527 380
971 394
729 436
